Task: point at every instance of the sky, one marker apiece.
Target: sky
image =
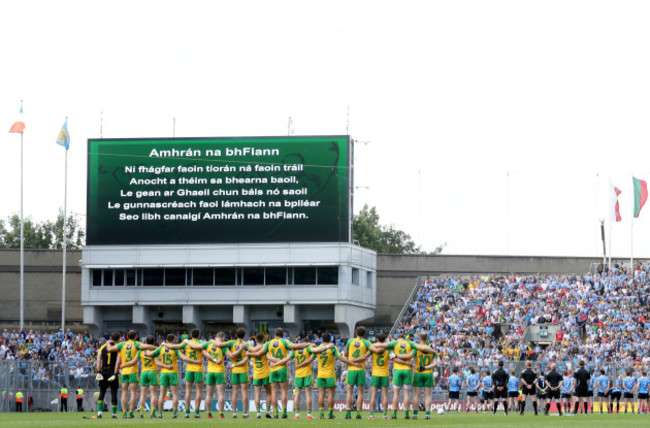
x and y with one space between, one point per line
492 126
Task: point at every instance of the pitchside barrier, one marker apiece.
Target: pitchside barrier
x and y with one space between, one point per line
43 380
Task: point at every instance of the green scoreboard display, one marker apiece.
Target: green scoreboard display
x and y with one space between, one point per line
219 190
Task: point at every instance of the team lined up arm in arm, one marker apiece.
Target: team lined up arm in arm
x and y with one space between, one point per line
361 357
245 360
118 364
254 351
340 357
281 362
159 363
433 364
307 362
207 355
130 363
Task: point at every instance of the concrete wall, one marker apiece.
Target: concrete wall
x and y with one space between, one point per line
42 285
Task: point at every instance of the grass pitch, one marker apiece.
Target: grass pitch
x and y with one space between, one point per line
70 420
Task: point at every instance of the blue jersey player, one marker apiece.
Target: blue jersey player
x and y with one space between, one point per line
472 384
454 390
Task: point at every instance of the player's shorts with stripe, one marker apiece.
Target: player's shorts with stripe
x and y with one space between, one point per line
302 382
327 382
215 378
279 375
356 377
262 381
168 379
238 378
424 380
149 378
402 377
194 377
379 381
129 378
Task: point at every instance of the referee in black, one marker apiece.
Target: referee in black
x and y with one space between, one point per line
553 382
500 381
582 377
528 377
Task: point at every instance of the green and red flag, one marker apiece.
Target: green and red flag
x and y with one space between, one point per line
640 195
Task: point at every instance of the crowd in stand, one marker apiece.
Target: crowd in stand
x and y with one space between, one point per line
602 317
50 354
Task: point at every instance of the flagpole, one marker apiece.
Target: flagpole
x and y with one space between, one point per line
611 213
632 228
65 237
22 241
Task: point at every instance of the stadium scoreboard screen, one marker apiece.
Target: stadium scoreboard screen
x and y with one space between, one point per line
218 190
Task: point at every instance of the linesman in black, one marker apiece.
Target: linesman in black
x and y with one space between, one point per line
553 383
528 378
107 370
582 378
500 381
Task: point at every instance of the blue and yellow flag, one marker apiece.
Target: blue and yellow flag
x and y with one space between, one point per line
64 138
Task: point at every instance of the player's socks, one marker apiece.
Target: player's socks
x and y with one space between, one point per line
114 409
535 406
395 413
496 405
358 414
407 414
100 406
322 412
505 406
331 413
427 413
415 412
348 414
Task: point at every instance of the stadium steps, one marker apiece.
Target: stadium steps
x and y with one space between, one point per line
414 292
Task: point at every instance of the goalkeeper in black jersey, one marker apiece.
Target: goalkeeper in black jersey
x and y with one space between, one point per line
107 370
